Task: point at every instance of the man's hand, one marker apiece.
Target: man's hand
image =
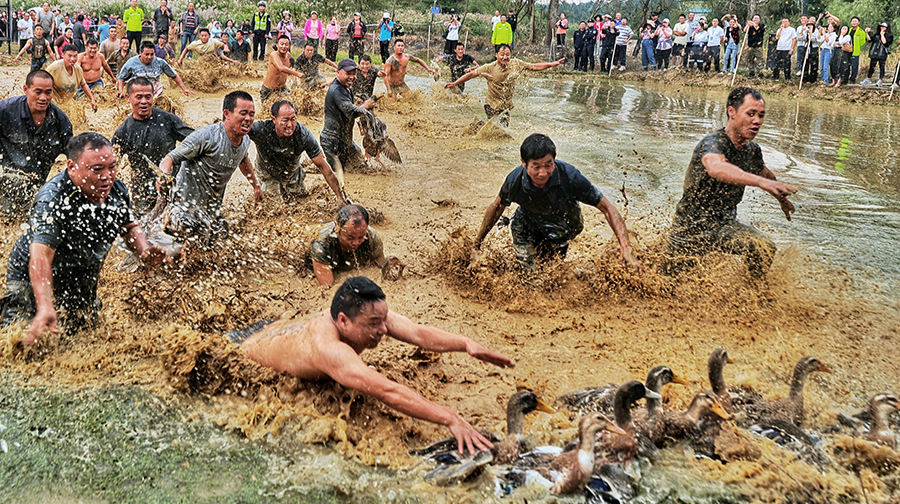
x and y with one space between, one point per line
188 92
627 259
94 104
482 353
369 104
258 196
180 60
45 319
781 191
449 85
467 437
786 206
154 256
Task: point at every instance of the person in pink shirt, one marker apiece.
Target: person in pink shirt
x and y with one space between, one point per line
313 30
285 26
332 34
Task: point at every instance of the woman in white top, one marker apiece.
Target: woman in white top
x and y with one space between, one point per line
452 35
844 42
826 39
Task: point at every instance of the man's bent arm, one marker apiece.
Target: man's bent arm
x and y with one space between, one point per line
617 224
134 238
433 339
323 273
41 274
326 171
341 363
720 169
184 88
465 77
281 66
247 170
491 216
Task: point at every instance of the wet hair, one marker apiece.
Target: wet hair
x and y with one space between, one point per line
282 36
536 146
501 46
37 74
353 295
365 57
201 30
91 41
87 140
70 48
737 95
353 213
138 81
398 41
80 17
231 99
276 107
148 44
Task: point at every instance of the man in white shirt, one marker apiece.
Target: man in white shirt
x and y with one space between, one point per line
495 19
714 46
680 32
784 49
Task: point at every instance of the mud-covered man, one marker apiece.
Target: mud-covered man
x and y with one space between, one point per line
280 143
347 244
364 86
56 263
35 132
208 158
549 193
308 66
501 78
336 137
329 344
278 69
724 162
93 64
146 64
395 70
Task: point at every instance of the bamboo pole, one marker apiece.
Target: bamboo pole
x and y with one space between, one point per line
737 60
805 58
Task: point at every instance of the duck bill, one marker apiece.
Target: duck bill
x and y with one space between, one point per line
825 369
719 410
730 360
611 427
546 408
679 380
649 394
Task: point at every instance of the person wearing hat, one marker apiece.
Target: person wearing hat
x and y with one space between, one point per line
878 52
163 49
357 30
384 38
336 138
313 30
262 25
607 43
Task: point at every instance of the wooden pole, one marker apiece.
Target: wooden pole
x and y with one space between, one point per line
805 58
428 45
737 60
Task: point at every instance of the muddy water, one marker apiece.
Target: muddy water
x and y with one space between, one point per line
586 323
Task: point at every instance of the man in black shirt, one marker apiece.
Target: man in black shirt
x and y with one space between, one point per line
725 162
755 34
162 18
34 133
308 66
56 263
240 48
364 86
513 23
280 142
340 113
549 194
147 132
459 64
578 44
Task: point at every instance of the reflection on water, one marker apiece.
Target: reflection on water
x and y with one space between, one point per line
840 156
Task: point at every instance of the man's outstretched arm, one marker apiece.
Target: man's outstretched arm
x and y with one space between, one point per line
617 224
433 339
491 216
340 362
720 169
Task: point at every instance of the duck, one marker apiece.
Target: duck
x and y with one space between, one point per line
624 448
789 408
877 418
375 138
651 422
681 424
715 366
574 468
600 399
454 467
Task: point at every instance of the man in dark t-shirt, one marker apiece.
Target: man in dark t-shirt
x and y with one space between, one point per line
56 263
280 143
459 64
308 65
725 162
756 31
240 48
336 137
549 194
364 86
346 244
149 132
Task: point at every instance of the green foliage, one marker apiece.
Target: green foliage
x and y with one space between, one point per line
870 12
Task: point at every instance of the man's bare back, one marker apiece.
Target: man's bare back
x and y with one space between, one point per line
275 76
92 66
288 345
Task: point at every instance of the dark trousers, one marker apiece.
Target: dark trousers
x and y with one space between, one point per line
801 53
619 55
854 69
606 56
662 58
259 45
357 49
135 38
384 45
712 57
782 63
811 70
580 57
331 48
844 67
880 63
589 49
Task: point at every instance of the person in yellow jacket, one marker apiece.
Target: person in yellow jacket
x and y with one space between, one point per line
133 19
503 34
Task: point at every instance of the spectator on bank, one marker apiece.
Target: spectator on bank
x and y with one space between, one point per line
261 25
810 63
451 36
285 26
698 51
513 23
63 41
756 31
502 34
859 37
25 27
188 26
733 37
495 19
562 26
624 34
663 36
313 30
230 29
607 43
357 30
679 40
648 59
881 42
845 43
386 27
714 46
826 38
332 36
578 44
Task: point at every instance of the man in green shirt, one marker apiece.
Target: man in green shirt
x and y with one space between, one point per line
134 18
502 34
859 40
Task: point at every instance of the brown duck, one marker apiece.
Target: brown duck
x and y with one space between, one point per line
880 408
574 467
650 422
623 448
520 404
717 360
791 407
376 140
681 424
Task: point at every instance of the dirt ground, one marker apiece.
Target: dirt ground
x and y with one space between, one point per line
582 322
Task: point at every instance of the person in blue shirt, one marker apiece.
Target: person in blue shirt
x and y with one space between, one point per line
384 39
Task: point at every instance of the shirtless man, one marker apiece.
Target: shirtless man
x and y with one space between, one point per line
395 70
278 69
328 344
68 77
93 64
